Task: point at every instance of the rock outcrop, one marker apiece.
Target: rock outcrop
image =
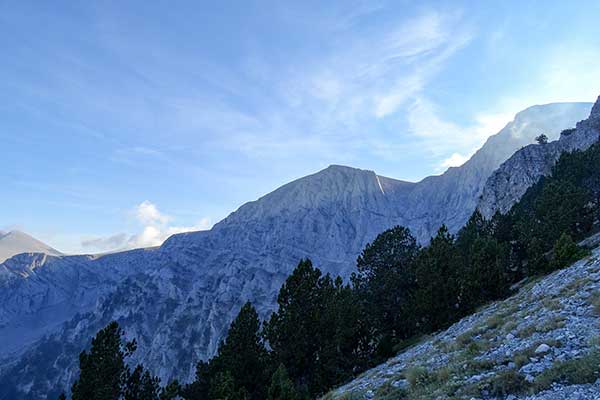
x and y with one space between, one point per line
512 179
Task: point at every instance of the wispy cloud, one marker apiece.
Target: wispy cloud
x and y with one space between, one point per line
155 228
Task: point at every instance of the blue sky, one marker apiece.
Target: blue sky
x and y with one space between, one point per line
123 122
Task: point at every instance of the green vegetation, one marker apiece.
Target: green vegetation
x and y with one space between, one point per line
581 370
507 382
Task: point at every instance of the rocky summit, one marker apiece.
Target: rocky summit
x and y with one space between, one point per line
178 300
508 350
512 179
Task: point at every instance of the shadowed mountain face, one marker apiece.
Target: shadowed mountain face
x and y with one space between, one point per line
178 300
16 242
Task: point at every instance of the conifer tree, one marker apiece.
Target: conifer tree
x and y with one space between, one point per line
436 300
566 252
483 264
141 385
102 370
291 331
243 355
385 284
282 387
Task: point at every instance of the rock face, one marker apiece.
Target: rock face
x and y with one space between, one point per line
545 323
179 299
510 182
17 242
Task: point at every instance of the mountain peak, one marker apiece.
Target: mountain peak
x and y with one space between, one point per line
16 242
344 169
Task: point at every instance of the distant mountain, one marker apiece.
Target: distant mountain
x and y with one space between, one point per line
179 299
512 179
17 242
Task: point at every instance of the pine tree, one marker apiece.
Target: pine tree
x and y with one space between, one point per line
566 252
385 284
243 354
542 139
293 329
103 371
345 343
200 387
141 385
282 387
483 264
223 388
437 290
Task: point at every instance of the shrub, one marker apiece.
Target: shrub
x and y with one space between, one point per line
566 252
418 376
507 382
576 371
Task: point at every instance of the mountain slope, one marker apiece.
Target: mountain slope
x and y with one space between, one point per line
509 182
17 242
514 344
179 299
452 197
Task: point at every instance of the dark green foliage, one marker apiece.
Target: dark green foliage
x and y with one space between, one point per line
483 261
566 202
243 354
140 385
576 371
62 396
507 382
103 372
223 388
200 387
293 330
566 252
282 387
436 297
384 285
171 391
316 331
241 368
542 139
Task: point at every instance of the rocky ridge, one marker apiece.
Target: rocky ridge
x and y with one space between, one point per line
548 322
512 179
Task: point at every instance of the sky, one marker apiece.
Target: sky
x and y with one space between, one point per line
124 122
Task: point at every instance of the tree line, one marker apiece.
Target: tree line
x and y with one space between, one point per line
326 331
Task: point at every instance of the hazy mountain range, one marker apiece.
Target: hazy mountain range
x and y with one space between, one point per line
178 300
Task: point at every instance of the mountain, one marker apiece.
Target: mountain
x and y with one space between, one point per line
544 331
511 180
178 300
17 242
452 197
